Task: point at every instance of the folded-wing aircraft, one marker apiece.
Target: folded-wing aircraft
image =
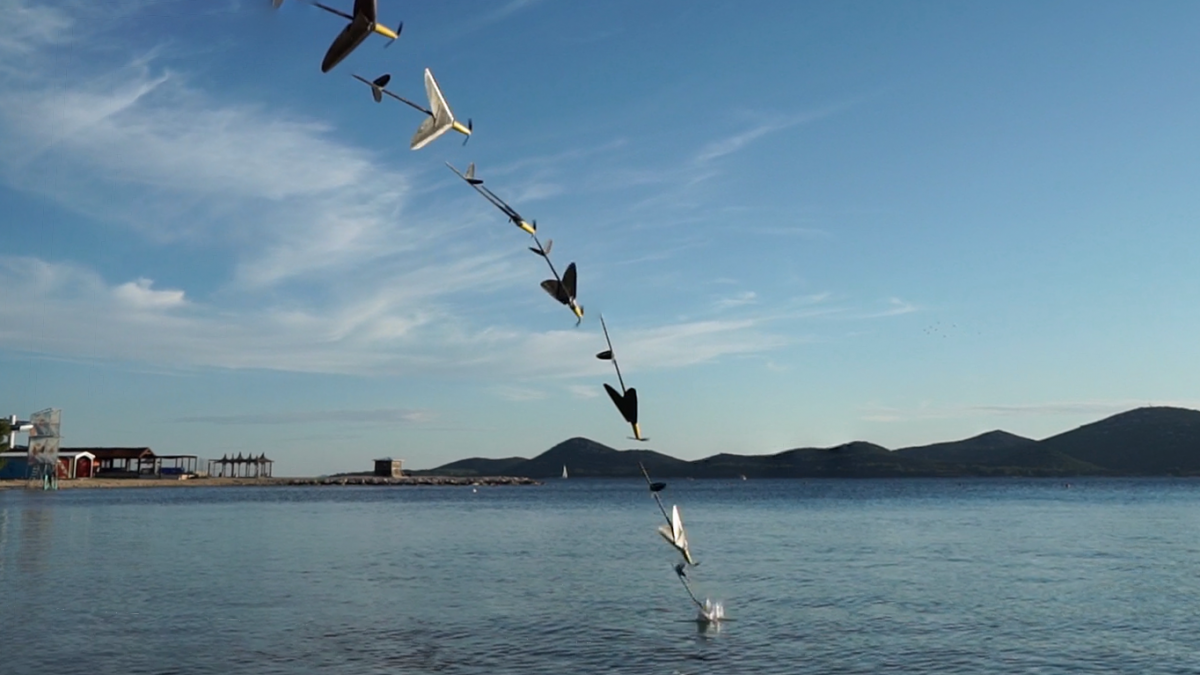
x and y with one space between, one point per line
625 400
562 288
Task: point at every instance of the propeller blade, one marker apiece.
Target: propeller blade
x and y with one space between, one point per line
470 128
398 29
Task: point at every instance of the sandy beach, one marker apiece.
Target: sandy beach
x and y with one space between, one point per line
323 481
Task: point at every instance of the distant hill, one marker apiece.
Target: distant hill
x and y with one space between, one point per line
584 458
1142 442
990 448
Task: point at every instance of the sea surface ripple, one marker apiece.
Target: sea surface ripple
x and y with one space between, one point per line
820 576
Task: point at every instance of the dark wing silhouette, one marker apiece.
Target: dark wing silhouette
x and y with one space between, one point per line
627 404
346 41
368 9
568 280
555 289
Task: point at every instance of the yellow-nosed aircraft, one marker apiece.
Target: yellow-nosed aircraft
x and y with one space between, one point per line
673 531
626 401
440 119
562 288
514 217
362 24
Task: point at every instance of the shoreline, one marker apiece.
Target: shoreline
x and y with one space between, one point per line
323 481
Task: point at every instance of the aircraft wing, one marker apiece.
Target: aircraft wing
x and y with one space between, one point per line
346 41
568 280
676 536
555 289
366 8
428 132
437 103
626 404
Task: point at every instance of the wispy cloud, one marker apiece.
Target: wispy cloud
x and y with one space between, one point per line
515 393
1073 407
324 417
584 391
928 411
895 307
30 26
738 300
760 128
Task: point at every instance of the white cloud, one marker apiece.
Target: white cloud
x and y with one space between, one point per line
139 294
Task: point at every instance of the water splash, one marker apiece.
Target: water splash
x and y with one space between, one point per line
710 612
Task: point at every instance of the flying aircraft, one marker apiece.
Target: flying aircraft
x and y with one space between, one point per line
626 400
440 119
529 227
362 24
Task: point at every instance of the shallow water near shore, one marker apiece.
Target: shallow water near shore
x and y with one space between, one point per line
822 576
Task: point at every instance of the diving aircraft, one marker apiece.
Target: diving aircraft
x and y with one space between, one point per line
362 24
626 401
440 119
562 288
529 227
676 536
673 531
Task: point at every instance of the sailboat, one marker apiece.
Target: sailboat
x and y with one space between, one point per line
564 470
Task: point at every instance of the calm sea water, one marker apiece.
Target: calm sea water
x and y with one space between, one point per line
982 576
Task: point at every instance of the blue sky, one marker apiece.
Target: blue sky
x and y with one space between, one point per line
805 223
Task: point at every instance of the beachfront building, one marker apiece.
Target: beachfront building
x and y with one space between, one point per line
175 465
389 468
241 467
121 462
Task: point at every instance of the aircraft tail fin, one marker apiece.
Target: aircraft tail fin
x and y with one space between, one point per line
377 86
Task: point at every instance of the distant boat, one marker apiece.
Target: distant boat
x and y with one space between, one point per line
564 470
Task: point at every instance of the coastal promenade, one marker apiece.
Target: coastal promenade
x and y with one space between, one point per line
322 481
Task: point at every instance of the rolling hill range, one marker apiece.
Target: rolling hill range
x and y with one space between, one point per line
1155 441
